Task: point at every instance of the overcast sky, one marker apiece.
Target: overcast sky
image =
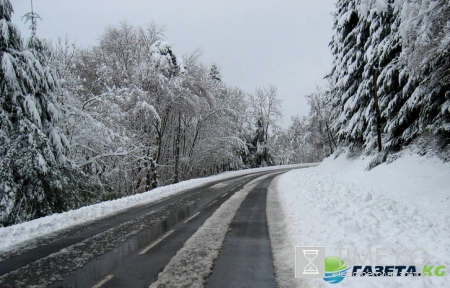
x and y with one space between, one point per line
254 42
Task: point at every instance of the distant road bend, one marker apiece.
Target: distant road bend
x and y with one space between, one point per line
131 248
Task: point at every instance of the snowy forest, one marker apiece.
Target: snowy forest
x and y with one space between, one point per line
126 115
390 79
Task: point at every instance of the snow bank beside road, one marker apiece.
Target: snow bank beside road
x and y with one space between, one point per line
282 246
419 180
22 234
402 205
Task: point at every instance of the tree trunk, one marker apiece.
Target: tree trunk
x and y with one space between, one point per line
177 151
191 151
377 109
329 141
330 136
154 175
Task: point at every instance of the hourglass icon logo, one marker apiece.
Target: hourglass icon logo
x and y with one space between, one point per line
310 268
309 262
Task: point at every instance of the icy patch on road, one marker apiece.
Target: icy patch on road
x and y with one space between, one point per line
396 207
25 234
194 262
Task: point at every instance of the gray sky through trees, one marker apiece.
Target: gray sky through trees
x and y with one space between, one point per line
254 42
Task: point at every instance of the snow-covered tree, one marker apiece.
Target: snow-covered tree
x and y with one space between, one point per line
347 46
382 82
426 37
34 171
425 29
389 73
308 138
319 134
266 108
214 73
265 112
164 113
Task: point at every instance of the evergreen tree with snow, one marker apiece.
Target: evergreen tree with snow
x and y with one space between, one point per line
164 58
34 171
384 81
257 153
367 74
214 73
389 74
425 29
347 46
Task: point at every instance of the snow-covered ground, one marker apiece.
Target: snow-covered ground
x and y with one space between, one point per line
281 243
25 234
395 208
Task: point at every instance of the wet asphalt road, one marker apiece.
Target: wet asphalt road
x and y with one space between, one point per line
246 258
131 248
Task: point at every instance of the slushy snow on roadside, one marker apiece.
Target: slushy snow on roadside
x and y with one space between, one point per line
395 208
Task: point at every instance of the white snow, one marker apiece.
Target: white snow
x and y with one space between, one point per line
380 6
30 105
148 109
363 8
25 234
338 204
8 69
282 247
4 28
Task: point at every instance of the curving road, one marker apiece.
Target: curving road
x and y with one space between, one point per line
131 248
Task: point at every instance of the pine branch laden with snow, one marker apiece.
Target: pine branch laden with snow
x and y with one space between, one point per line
426 39
347 46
